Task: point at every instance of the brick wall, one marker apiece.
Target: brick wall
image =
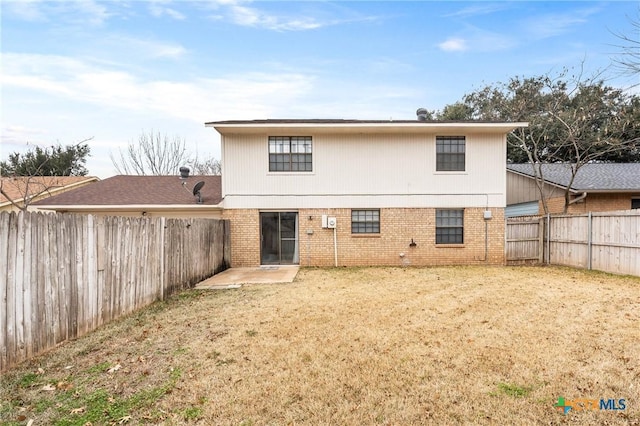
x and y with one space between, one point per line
245 236
397 228
593 203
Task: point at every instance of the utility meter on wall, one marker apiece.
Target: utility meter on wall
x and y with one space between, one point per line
331 222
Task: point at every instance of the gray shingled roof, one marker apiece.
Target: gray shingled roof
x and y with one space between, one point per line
140 190
590 177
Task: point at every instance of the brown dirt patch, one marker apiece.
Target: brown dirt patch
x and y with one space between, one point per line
356 346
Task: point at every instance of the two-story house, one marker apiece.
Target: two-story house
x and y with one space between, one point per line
364 192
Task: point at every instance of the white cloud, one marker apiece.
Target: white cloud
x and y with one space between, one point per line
159 9
479 9
91 11
551 25
75 12
28 10
477 40
240 13
252 17
16 136
198 100
147 48
453 44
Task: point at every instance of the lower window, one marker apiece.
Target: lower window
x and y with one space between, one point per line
365 221
450 226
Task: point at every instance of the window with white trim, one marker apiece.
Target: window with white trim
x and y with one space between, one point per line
450 153
290 154
365 221
449 226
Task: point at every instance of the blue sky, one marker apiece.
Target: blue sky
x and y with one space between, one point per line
110 70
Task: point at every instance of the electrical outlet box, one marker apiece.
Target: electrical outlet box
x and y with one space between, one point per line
487 214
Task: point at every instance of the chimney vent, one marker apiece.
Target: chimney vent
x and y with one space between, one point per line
184 172
422 114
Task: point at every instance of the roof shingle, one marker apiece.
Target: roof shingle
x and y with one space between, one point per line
141 190
590 177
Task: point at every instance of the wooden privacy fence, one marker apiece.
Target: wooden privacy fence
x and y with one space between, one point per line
524 240
607 241
63 275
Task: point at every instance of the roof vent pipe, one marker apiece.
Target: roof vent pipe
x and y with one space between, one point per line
422 114
184 172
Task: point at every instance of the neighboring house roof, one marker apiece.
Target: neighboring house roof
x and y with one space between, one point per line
592 177
20 187
380 126
125 190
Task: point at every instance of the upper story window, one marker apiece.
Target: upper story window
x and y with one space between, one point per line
290 154
635 203
450 153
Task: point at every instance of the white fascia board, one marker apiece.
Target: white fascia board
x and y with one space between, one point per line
386 127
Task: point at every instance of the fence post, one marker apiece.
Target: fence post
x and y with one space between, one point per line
162 250
589 240
548 239
540 240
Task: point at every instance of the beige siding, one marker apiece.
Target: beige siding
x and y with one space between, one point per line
522 189
399 170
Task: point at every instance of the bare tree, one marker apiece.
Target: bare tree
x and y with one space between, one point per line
158 154
628 56
208 166
152 154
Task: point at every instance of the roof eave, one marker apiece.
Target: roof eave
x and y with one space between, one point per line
417 126
609 191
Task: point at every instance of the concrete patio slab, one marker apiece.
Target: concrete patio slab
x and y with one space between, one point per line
235 277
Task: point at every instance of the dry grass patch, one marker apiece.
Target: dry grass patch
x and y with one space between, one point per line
354 346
